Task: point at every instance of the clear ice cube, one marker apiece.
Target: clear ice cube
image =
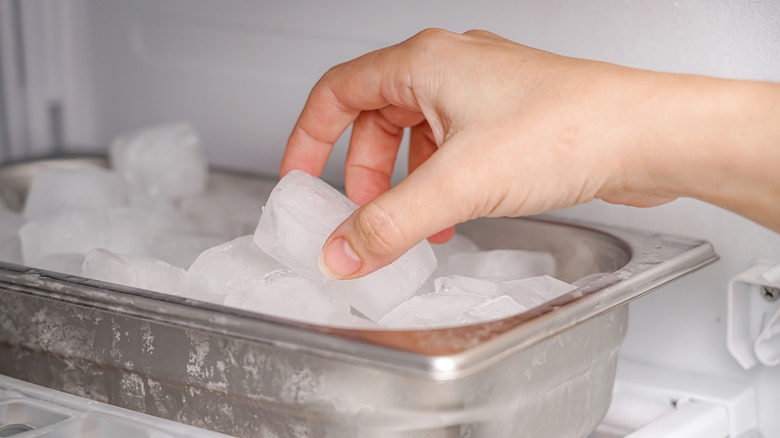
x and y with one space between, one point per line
299 216
232 266
502 264
56 188
71 230
163 161
135 271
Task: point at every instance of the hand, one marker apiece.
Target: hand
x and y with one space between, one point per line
497 129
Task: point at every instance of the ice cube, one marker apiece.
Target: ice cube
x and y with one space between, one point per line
68 263
531 292
10 222
502 264
431 310
130 231
228 214
166 161
458 244
299 216
461 284
181 248
135 271
498 308
71 230
57 188
285 294
228 267
11 250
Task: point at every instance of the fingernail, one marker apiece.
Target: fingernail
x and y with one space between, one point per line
338 260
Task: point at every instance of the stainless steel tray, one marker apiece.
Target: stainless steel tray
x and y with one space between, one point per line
548 372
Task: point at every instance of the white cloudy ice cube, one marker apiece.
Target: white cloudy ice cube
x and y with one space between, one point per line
56 188
181 248
498 308
224 213
458 244
71 230
432 310
68 263
461 284
130 230
531 292
288 295
502 264
227 268
299 216
167 161
135 271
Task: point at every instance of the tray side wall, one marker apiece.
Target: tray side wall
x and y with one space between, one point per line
251 389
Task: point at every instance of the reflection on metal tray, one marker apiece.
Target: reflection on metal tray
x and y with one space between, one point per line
254 375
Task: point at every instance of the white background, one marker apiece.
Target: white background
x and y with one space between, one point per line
241 70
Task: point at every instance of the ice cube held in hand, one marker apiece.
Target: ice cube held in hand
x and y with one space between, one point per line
166 161
228 268
57 188
71 230
301 213
286 294
135 271
502 264
531 292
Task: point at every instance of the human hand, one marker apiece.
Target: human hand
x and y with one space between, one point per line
497 129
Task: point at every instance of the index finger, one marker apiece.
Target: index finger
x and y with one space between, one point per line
333 104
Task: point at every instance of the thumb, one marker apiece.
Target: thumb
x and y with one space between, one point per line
381 231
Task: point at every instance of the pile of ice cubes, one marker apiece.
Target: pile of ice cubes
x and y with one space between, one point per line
158 220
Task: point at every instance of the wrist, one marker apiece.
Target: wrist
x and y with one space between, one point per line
712 139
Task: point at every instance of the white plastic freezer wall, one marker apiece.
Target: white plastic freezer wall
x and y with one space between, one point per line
77 72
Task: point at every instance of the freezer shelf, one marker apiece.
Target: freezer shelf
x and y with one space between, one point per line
254 375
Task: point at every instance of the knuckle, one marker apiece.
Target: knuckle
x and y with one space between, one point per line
431 36
377 230
476 32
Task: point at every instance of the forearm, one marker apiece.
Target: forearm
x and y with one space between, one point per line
712 139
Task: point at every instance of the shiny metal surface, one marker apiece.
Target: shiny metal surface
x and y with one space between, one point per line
178 358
